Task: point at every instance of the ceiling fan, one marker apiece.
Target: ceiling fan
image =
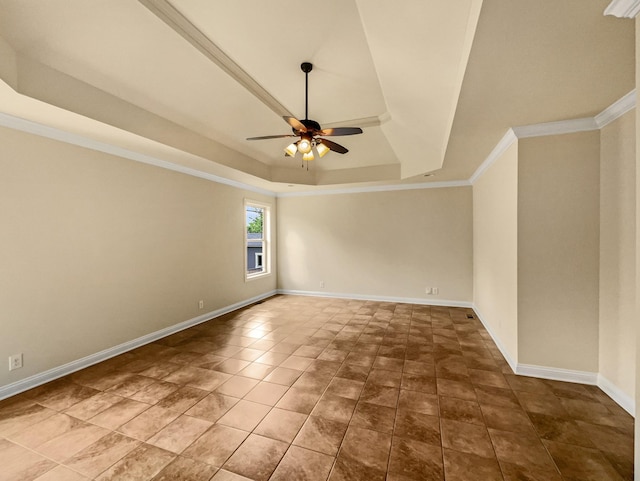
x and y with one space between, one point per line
309 131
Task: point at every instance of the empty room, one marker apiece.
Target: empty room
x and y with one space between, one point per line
351 240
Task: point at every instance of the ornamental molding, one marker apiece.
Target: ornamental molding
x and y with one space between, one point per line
623 8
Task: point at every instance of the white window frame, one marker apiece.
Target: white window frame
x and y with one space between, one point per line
266 240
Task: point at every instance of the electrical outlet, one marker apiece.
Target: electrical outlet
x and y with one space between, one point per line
15 362
321 284
427 290
200 304
434 290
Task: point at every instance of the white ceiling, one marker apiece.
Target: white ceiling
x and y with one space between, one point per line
433 83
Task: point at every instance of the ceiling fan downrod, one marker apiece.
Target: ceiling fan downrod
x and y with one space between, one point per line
306 68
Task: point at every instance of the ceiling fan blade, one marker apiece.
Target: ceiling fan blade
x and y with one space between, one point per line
333 146
341 131
295 124
265 137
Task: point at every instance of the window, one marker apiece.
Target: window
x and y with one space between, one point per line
256 239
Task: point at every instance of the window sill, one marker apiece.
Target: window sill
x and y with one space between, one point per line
253 277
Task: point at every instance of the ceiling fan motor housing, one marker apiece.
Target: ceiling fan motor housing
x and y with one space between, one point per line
311 126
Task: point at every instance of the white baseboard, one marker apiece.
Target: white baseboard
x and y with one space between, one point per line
73 366
581 377
495 338
557 374
625 401
368 297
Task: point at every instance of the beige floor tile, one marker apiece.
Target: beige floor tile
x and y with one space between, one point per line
322 435
303 465
281 425
118 414
14 421
216 445
185 469
147 424
256 458
72 442
61 473
18 463
266 393
50 428
144 462
237 386
306 388
99 456
245 415
179 434
212 407
89 407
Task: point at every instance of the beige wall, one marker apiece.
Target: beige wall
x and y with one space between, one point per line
495 250
388 244
96 250
558 251
618 253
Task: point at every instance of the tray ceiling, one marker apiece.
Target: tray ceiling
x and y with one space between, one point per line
194 78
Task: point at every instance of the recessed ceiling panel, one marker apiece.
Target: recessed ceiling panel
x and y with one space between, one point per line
270 40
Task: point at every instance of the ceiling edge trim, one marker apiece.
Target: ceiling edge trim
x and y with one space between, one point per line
623 8
378 188
187 30
500 148
556 128
608 115
617 109
41 130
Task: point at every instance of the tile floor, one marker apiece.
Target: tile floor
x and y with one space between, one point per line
300 388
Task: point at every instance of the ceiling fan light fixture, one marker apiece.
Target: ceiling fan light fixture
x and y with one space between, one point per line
309 130
304 146
322 149
291 149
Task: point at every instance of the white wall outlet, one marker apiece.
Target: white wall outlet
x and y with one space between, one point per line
15 362
321 284
427 290
200 304
434 290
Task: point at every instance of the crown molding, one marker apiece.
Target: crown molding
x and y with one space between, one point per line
623 8
500 148
608 115
616 109
556 128
377 188
41 130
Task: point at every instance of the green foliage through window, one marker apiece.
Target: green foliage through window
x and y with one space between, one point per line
255 225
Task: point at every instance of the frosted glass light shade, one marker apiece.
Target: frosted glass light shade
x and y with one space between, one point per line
304 146
322 149
291 150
